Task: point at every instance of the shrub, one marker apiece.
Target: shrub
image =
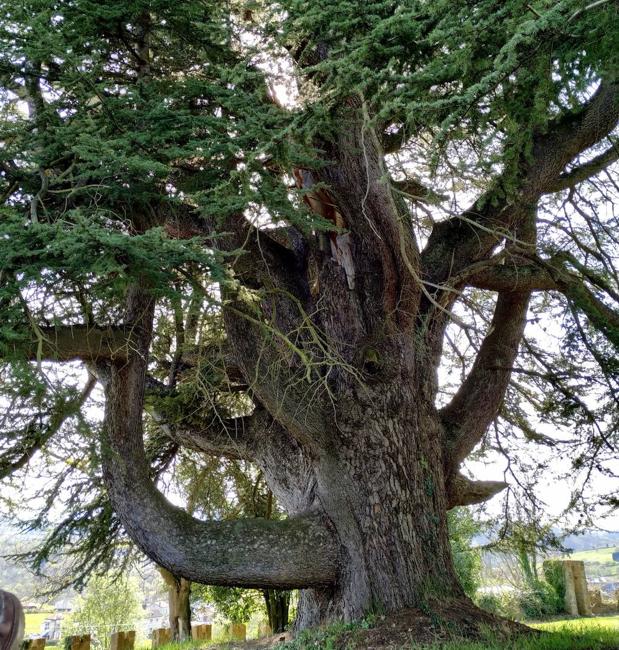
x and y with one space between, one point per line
233 604
555 577
540 601
504 604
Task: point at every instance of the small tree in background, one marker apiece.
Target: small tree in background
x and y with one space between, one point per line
106 606
233 604
277 602
179 605
538 598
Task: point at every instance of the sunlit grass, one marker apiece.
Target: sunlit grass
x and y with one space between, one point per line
610 623
599 633
602 640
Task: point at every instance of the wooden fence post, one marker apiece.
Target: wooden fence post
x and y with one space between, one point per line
33 644
77 642
238 632
201 632
161 636
122 640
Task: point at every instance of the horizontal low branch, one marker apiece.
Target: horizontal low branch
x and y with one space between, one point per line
94 344
259 553
256 553
294 553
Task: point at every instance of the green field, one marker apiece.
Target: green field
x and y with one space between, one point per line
34 620
599 562
602 555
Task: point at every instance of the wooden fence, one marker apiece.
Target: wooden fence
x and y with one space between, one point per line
126 640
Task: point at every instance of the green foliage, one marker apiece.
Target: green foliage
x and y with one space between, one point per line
445 63
539 601
116 146
329 638
554 575
504 604
180 645
467 560
530 602
106 606
233 604
537 595
565 640
581 625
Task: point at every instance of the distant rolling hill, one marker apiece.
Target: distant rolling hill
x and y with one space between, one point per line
591 541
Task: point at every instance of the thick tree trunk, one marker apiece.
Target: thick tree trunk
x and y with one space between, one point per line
179 605
370 459
382 491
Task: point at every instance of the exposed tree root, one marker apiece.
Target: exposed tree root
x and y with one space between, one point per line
443 621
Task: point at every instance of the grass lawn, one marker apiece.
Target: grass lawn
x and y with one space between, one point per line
558 641
600 633
610 623
595 633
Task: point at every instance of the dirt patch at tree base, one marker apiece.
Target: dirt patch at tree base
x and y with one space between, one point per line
445 621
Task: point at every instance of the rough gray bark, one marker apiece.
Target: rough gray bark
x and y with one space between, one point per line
185 546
